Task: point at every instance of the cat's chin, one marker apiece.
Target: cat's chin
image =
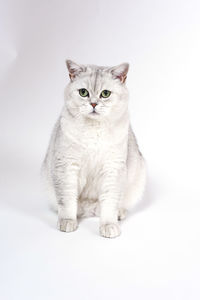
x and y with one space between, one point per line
93 115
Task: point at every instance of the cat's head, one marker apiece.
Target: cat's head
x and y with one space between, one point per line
96 92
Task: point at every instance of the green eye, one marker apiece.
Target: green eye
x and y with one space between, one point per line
83 93
105 94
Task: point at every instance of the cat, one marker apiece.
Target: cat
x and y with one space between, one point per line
93 166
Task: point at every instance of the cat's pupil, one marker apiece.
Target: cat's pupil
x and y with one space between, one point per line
83 92
105 93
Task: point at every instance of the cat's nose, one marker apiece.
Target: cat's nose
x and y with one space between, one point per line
93 104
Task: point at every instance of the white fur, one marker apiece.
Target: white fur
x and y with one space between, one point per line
93 165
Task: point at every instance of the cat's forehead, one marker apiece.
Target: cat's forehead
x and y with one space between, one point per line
95 77
96 72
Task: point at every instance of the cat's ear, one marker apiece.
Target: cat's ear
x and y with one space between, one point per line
120 71
74 69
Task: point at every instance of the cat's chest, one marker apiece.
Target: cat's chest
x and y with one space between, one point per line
96 147
95 139
91 144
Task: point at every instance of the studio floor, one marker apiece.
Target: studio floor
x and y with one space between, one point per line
156 256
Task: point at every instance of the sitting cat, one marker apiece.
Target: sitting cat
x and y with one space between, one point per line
93 165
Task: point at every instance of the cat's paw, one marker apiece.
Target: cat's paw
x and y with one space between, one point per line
122 214
109 230
67 225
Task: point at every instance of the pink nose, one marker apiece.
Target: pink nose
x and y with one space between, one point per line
93 104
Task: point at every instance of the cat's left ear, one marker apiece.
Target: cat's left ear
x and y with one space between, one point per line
74 69
120 71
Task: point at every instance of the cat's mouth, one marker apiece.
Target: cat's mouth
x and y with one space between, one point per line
94 115
94 112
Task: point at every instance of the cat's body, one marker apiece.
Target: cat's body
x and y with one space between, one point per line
93 165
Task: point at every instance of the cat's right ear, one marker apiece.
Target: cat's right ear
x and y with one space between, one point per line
74 69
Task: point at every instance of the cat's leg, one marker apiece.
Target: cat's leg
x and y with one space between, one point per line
111 193
66 187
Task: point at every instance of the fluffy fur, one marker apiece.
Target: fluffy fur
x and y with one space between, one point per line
93 165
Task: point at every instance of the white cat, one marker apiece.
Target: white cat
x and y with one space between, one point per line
93 165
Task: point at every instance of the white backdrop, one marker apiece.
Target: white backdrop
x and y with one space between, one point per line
157 255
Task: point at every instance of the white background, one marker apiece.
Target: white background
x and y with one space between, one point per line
157 255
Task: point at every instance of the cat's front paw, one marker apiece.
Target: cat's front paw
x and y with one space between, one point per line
109 230
67 225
